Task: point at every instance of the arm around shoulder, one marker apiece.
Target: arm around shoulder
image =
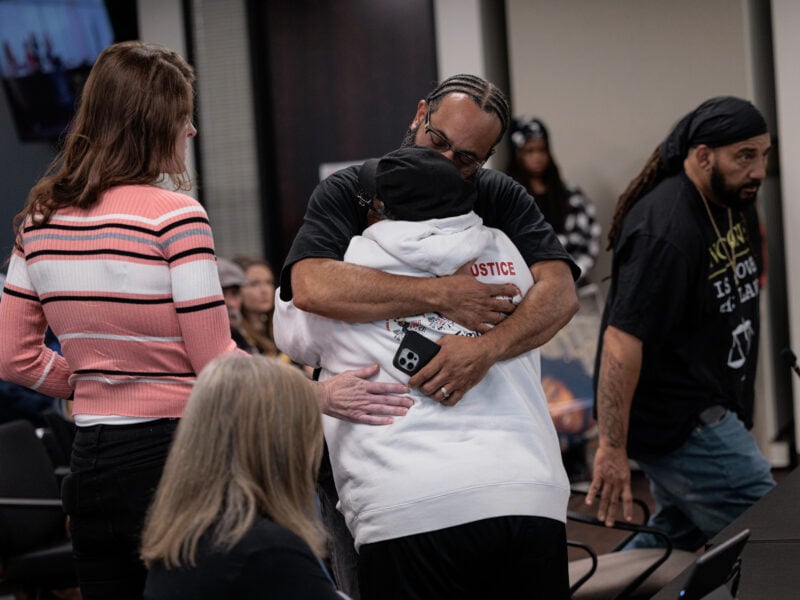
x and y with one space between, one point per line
545 309
357 294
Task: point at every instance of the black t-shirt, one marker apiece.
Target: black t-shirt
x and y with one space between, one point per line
334 216
673 288
268 562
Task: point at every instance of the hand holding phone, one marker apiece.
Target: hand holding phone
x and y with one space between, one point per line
415 351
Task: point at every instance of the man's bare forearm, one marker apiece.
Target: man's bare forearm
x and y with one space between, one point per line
356 294
545 309
620 366
359 294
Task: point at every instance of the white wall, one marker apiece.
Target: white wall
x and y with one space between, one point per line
161 22
459 37
610 78
467 41
786 49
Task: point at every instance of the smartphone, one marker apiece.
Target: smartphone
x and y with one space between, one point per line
414 352
715 568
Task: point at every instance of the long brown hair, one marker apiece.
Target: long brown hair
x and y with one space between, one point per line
136 101
645 181
554 202
263 339
249 444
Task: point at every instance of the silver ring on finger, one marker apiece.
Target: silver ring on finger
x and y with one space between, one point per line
445 393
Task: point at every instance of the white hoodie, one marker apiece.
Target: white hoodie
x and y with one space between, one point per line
495 453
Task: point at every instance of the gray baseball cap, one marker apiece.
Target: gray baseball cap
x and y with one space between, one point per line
230 274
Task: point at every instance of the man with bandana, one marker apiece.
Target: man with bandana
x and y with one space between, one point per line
678 345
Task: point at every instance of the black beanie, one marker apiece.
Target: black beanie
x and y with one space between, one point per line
417 184
716 122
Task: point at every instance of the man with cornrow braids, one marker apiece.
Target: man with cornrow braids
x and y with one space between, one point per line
464 118
678 344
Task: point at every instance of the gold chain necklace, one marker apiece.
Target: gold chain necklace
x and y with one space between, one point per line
730 252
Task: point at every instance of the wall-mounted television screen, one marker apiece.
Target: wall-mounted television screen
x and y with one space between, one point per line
47 48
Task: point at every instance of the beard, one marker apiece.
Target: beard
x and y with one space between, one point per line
732 197
410 139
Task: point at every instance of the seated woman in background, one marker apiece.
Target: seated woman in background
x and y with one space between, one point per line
257 309
258 304
234 514
570 213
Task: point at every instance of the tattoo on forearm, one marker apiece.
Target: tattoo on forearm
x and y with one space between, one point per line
610 401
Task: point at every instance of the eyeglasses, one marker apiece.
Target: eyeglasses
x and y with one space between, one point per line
466 163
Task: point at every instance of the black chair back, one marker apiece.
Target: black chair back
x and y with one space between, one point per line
26 472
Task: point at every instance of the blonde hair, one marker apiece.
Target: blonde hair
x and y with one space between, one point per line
249 444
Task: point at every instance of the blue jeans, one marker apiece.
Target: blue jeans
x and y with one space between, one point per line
705 484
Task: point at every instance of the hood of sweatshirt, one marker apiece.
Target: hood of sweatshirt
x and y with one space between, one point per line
437 246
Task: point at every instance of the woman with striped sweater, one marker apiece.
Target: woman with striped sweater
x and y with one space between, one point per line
125 275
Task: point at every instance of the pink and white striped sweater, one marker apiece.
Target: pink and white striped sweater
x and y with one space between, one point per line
131 290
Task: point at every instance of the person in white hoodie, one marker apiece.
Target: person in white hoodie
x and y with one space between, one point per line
464 501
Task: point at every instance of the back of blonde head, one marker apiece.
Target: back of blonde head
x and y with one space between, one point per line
248 444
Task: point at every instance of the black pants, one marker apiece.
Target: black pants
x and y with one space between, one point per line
504 557
341 549
115 470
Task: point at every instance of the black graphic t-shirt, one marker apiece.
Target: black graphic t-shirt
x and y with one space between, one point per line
673 287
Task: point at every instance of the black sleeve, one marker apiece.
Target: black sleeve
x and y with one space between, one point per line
285 570
505 204
332 218
651 280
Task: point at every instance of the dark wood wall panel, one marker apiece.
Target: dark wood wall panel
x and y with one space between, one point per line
336 80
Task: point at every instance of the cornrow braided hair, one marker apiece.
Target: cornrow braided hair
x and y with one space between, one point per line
486 95
645 181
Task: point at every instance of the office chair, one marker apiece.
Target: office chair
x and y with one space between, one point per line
35 552
618 574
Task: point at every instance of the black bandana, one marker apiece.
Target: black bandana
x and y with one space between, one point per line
716 122
416 184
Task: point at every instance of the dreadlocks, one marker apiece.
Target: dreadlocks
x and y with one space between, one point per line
645 181
486 95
